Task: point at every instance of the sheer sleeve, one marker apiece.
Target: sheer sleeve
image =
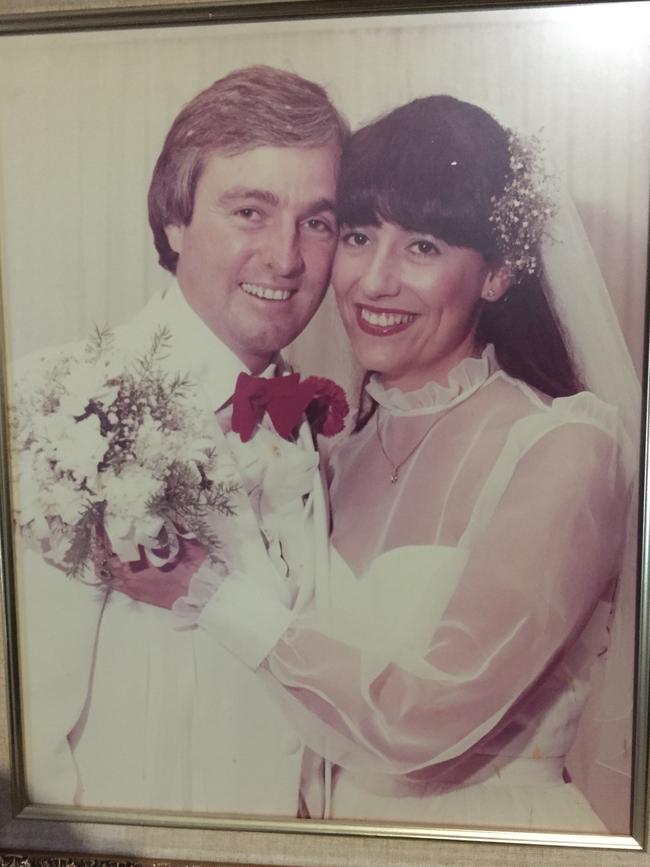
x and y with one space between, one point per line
541 550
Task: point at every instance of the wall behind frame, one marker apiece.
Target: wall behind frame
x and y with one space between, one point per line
84 117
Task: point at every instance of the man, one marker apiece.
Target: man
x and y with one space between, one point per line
126 702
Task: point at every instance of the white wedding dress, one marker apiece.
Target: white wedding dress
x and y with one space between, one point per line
469 604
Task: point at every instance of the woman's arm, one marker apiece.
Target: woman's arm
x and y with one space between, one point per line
533 576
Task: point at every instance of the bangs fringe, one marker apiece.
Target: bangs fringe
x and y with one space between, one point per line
457 223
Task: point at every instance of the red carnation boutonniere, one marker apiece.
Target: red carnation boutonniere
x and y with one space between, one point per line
328 408
287 401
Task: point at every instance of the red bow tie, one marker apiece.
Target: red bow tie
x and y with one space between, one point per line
287 401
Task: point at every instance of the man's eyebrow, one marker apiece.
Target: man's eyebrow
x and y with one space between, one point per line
244 193
319 206
239 194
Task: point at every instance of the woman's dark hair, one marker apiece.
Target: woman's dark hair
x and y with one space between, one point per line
435 165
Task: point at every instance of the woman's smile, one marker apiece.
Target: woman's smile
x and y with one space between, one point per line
383 322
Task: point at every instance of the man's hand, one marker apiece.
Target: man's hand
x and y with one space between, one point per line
159 585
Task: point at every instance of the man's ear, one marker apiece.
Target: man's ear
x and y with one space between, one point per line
175 237
497 283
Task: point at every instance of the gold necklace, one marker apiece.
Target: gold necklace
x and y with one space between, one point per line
396 467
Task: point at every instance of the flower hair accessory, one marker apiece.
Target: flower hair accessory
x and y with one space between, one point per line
287 400
520 213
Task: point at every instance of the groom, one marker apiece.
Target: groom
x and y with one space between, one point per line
128 700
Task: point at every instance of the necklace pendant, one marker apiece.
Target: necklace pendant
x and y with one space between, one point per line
396 467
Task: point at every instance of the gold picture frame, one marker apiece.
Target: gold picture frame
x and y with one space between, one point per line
30 834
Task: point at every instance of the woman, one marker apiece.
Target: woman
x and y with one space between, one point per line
479 507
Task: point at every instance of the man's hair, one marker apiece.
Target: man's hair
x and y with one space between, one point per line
254 107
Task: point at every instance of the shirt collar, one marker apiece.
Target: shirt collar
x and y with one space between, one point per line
197 351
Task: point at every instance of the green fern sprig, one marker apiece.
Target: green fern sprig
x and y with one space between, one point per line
100 341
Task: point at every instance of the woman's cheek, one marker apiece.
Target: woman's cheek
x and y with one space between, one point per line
337 284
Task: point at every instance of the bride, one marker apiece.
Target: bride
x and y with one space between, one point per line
480 505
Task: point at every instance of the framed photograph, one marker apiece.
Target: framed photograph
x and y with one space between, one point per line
323 432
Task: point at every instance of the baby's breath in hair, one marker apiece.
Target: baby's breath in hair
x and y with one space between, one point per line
520 213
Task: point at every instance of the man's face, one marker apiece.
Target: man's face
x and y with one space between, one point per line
255 260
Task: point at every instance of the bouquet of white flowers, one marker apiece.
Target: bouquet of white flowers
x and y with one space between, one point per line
112 461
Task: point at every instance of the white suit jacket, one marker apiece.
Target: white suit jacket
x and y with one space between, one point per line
124 708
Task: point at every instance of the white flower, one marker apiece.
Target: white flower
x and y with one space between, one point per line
126 496
77 447
222 467
151 446
156 447
41 494
87 380
65 500
195 449
127 521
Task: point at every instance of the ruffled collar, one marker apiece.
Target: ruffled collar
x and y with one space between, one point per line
464 379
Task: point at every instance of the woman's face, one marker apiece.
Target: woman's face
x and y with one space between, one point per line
408 300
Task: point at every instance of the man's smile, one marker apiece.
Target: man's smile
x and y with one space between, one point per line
267 292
